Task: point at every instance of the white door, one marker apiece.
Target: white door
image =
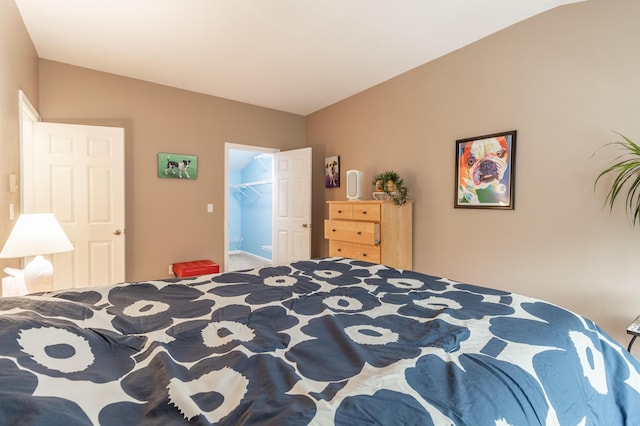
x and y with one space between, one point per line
78 175
291 206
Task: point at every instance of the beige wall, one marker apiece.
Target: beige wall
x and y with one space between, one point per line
563 80
18 70
167 220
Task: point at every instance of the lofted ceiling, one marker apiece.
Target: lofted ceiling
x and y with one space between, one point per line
297 56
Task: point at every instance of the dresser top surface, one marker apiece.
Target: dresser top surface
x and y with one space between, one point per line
365 202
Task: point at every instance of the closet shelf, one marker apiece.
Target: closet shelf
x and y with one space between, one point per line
241 187
266 165
250 184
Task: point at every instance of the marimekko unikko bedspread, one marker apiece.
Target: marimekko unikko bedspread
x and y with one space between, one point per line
326 341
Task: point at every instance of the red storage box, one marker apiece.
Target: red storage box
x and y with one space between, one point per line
195 267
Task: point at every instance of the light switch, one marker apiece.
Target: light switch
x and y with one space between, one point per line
209 208
11 211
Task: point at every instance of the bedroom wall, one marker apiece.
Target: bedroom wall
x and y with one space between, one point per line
564 80
167 220
18 70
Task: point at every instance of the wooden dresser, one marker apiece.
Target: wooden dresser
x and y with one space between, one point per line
374 231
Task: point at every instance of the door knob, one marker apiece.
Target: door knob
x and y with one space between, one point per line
117 232
306 225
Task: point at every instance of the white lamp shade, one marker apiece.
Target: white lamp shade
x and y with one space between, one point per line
36 234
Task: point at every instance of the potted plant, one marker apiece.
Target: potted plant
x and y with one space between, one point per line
391 184
626 171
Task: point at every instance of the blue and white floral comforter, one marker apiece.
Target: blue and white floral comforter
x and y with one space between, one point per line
327 341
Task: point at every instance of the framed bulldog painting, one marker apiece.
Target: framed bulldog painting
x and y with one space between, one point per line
485 171
177 166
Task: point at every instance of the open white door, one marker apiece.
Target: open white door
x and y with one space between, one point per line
77 174
292 206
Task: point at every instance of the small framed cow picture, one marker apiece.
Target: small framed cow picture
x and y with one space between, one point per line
177 166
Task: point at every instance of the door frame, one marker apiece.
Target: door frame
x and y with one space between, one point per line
28 114
228 146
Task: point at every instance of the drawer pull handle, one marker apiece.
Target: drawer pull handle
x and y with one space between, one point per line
364 212
333 230
364 254
359 233
339 250
339 211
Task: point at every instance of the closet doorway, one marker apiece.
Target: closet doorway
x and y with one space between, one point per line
249 205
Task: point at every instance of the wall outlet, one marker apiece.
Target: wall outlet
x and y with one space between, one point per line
170 270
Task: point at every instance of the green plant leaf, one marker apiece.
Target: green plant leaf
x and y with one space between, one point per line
399 196
625 169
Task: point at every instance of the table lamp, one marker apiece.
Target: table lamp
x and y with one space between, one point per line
35 235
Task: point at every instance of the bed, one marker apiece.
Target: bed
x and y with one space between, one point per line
325 341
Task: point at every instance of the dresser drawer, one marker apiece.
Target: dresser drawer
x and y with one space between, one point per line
340 211
355 211
355 232
354 251
366 212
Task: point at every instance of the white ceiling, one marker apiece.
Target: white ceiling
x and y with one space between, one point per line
297 56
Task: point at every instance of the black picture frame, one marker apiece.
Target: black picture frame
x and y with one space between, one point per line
485 171
332 172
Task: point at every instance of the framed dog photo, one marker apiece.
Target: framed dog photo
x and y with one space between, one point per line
332 172
177 166
485 171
